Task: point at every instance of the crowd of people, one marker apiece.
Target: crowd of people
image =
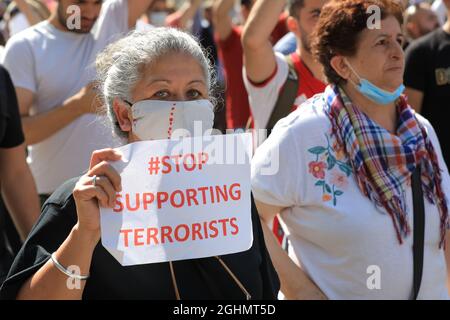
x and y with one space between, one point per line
352 100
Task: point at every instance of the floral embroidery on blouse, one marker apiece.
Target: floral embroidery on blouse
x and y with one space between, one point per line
330 170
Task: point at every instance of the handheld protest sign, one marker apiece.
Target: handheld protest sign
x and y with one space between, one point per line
181 199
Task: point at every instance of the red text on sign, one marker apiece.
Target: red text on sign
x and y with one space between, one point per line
180 233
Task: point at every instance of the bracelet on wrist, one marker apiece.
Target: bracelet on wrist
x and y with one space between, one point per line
66 271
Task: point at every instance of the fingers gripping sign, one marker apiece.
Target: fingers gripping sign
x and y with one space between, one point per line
98 187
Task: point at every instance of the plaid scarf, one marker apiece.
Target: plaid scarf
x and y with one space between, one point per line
383 162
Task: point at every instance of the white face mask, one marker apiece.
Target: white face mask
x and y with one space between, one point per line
155 119
158 19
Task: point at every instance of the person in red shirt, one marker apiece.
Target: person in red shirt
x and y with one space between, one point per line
265 72
228 38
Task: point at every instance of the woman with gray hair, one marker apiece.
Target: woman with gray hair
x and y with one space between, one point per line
147 71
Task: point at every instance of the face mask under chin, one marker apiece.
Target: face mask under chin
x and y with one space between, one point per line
374 93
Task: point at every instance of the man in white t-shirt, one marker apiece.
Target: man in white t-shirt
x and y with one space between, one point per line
52 65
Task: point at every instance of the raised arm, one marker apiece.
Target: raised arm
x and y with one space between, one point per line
221 18
186 13
29 13
136 8
259 57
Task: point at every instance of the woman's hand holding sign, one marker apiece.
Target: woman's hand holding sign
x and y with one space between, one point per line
96 188
78 247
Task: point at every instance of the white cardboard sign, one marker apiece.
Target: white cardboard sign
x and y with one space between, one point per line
177 204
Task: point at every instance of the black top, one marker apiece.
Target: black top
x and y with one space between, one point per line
428 70
197 279
11 135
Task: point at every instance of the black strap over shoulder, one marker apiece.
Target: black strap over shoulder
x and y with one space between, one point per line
287 96
419 231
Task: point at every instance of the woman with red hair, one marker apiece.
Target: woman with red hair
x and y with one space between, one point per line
357 167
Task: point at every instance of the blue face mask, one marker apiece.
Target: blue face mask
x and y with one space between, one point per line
374 93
